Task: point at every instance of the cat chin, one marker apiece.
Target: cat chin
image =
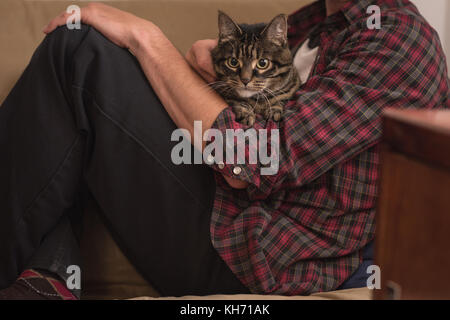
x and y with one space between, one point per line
244 93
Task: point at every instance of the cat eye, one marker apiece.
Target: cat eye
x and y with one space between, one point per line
263 64
233 63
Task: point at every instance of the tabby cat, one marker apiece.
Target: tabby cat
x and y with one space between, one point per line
254 68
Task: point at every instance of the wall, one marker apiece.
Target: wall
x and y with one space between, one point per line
437 12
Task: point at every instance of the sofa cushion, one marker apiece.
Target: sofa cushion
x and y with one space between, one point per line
106 271
348 294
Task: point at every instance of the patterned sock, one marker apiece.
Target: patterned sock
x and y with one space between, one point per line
37 285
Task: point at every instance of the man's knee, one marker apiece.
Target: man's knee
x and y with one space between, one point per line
64 42
69 43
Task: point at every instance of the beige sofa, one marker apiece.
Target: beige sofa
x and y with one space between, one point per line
106 272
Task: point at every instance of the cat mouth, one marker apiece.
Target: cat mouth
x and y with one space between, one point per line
247 93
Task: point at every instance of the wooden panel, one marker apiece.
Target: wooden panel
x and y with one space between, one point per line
419 133
413 216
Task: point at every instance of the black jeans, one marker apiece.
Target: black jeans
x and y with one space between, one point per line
84 121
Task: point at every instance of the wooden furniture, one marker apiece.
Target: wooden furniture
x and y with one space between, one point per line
413 218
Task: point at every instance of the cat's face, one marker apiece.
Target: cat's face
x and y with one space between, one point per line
252 59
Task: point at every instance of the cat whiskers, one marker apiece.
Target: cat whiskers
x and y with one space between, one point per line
219 86
276 92
257 100
266 98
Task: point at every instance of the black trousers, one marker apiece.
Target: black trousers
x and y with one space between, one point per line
84 121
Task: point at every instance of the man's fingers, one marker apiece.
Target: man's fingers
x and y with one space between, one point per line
199 57
205 64
56 22
192 60
64 16
207 77
190 57
202 54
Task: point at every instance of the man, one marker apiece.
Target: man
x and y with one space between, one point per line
88 119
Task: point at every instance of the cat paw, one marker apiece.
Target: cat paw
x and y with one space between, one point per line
260 109
249 120
275 113
244 115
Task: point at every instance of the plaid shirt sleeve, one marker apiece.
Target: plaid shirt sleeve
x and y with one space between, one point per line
301 229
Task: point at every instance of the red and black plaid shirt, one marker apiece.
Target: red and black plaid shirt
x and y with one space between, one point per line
301 230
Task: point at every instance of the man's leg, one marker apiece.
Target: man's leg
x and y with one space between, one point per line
84 115
40 167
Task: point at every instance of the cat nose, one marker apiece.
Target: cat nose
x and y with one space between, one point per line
245 81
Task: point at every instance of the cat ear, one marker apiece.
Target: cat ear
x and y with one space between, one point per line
276 30
228 29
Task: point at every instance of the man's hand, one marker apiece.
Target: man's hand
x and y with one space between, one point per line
119 26
199 57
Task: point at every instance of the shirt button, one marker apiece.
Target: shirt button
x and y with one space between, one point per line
210 159
237 170
221 165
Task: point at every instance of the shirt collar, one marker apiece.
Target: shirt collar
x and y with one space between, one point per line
356 10
353 11
311 20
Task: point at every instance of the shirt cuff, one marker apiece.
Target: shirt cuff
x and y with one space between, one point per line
221 134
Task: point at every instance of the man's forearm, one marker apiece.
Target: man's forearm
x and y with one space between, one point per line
185 95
